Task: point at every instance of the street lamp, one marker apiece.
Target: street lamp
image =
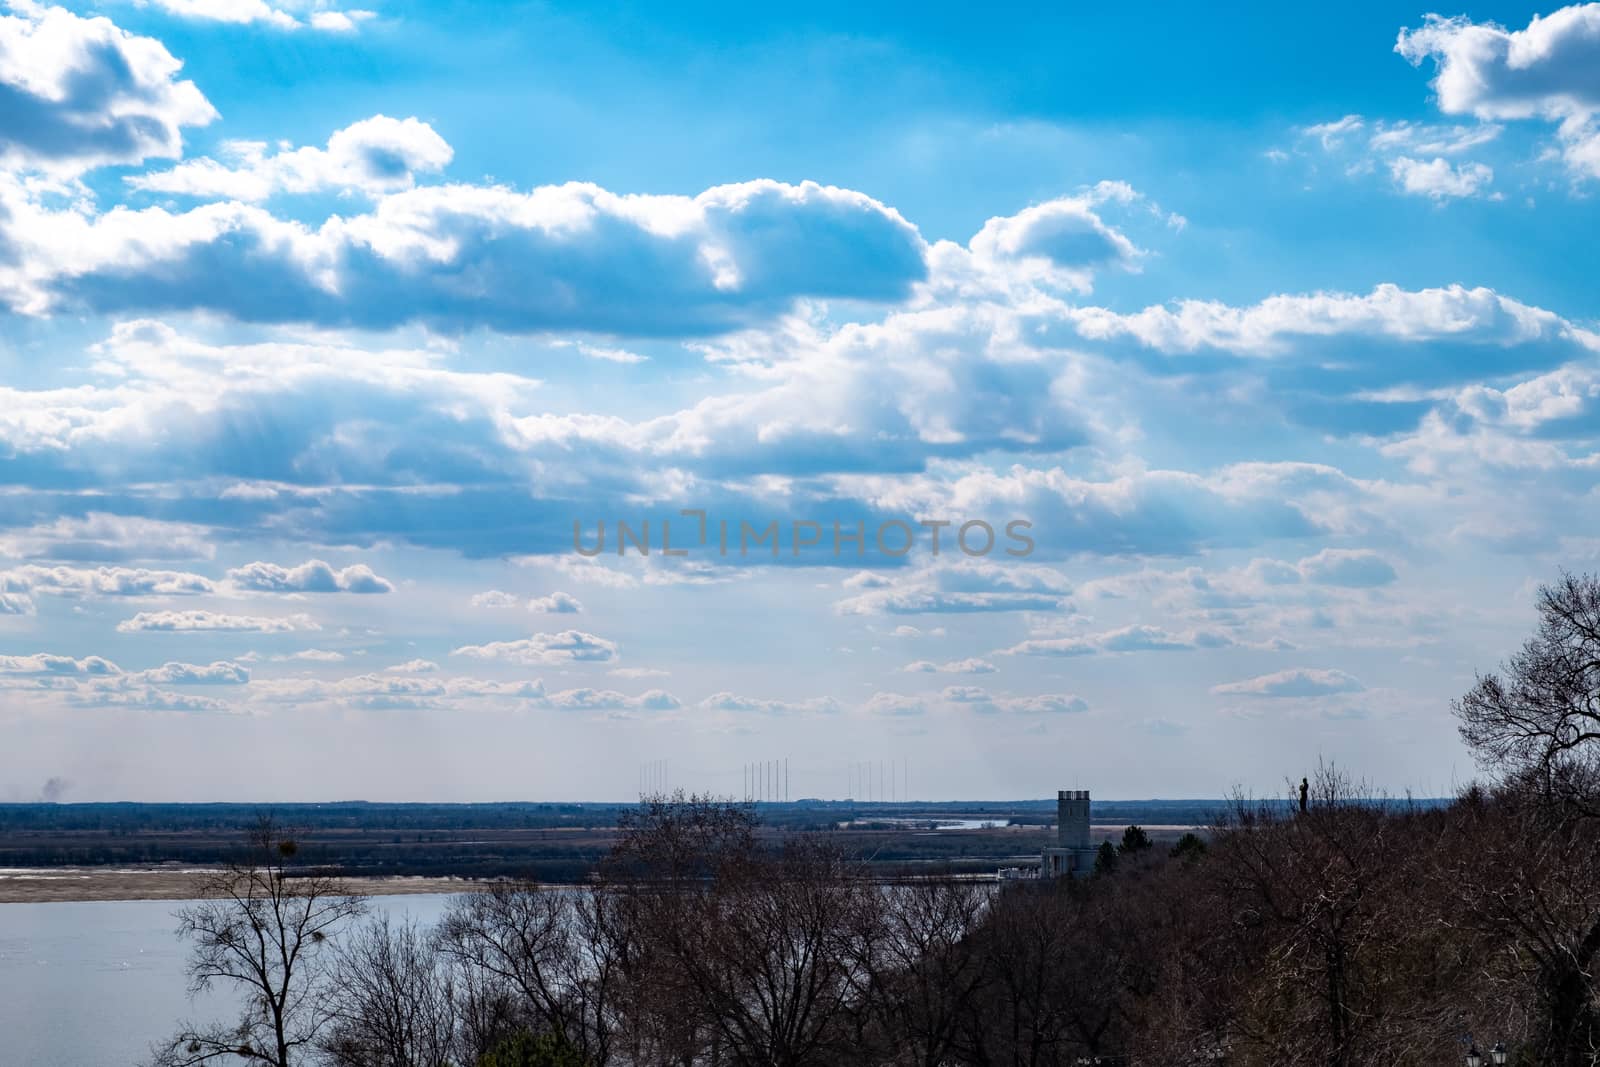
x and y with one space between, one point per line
1498 1057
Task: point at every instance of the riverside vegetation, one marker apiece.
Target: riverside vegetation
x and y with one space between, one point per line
1353 931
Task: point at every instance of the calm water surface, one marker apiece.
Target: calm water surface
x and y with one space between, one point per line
96 984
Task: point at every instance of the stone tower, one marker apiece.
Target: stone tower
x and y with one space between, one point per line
1073 855
1072 818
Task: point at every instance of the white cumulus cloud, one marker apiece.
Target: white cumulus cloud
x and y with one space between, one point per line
313 576
211 621
1297 682
1440 179
555 604
374 156
568 646
78 93
1545 71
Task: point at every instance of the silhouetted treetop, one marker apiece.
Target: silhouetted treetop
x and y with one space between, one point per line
1541 712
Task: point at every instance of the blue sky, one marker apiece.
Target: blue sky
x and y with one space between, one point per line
321 326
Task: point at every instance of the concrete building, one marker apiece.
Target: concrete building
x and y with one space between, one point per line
1073 855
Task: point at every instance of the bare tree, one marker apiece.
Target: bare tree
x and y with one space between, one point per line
1522 894
1021 1020
554 953
1540 715
673 849
767 958
1316 890
394 1002
739 954
679 841
921 964
264 929
1529 875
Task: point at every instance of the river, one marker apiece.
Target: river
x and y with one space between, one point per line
95 984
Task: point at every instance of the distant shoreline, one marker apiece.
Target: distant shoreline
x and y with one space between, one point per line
61 885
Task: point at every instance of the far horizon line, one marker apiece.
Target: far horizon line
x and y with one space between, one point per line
809 801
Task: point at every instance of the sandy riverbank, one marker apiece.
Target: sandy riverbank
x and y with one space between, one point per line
45 885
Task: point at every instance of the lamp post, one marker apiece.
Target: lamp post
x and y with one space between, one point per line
1497 1055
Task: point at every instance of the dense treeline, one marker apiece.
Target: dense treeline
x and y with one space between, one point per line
134 818
1344 931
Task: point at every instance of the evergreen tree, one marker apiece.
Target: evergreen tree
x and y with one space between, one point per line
1189 847
1134 841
